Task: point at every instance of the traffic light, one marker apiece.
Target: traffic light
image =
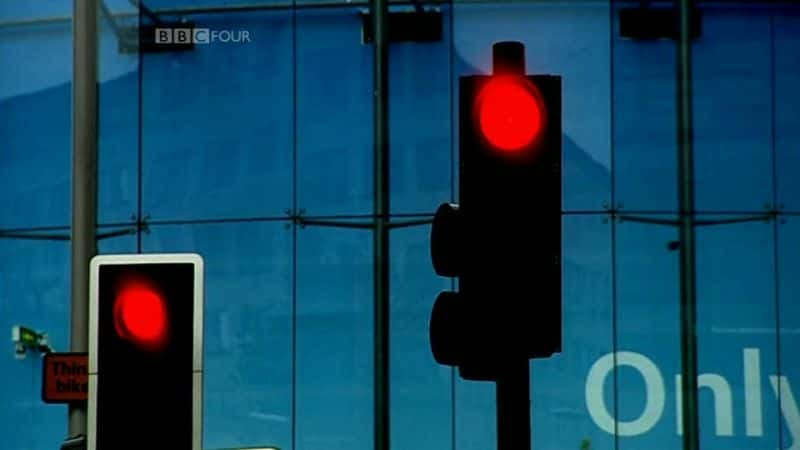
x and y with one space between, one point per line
145 352
503 239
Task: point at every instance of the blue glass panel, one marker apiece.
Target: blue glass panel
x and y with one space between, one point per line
35 111
24 11
570 40
567 395
787 103
786 384
420 123
121 6
178 4
117 129
644 127
217 122
334 113
21 402
248 328
475 415
421 389
334 395
732 110
736 336
126 243
34 292
648 339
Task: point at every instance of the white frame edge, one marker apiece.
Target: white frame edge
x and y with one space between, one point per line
197 329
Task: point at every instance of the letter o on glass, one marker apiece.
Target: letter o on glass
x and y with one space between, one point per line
654 394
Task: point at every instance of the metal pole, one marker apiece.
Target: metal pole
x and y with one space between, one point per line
514 407
84 181
688 307
513 381
380 12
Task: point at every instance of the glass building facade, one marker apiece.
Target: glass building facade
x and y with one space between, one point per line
221 149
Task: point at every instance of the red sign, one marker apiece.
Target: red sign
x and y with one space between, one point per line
65 377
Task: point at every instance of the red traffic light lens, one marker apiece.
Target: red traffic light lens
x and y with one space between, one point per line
140 314
510 113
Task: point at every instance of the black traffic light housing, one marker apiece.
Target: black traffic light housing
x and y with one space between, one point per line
503 239
145 351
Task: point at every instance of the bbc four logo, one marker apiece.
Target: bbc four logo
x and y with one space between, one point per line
200 36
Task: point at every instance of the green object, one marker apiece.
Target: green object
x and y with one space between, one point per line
28 337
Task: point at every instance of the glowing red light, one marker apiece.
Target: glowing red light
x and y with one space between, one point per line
510 113
140 315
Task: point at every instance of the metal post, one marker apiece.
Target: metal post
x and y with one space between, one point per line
513 382
84 181
514 407
688 307
380 12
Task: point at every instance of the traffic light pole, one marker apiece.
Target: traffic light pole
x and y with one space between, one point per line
688 304
513 406
84 182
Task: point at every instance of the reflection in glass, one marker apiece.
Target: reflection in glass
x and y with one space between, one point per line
786 385
736 336
732 114
34 292
786 22
248 328
570 392
421 389
217 123
475 414
334 113
117 129
420 123
35 111
648 338
334 399
645 123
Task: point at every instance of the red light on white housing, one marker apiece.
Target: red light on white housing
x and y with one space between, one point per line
140 314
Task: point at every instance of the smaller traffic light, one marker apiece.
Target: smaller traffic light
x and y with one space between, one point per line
503 239
145 351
